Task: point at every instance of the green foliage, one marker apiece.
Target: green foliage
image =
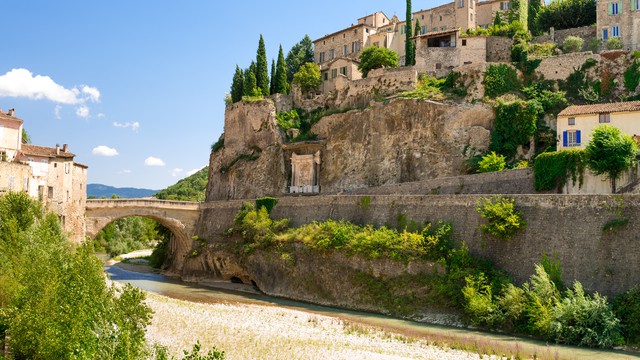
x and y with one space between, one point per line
632 76
308 77
375 57
128 234
491 162
54 301
565 14
553 269
551 101
503 220
249 88
572 44
500 79
417 29
190 188
288 119
552 169
626 306
281 85
479 302
262 71
594 45
194 354
364 202
254 155
614 43
542 50
426 88
610 152
506 30
515 125
218 145
409 45
272 82
266 202
497 21
300 54
237 85
578 83
160 251
615 224
26 139
453 84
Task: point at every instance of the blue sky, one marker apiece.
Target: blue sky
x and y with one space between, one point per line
136 88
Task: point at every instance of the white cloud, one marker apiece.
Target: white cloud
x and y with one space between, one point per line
22 83
133 125
101 116
104 151
56 112
175 172
125 171
153 161
82 111
189 173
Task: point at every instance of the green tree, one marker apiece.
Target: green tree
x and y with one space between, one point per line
190 188
375 57
565 14
300 54
308 77
610 152
498 20
409 46
237 86
262 73
281 85
491 162
272 82
249 87
417 29
25 137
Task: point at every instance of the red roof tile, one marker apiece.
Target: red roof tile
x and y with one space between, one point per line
35 150
601 108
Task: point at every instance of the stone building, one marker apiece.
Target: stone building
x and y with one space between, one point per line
621 19
49 174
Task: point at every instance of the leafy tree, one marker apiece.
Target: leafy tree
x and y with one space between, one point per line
300 53
375 57
272 82
25 137
498 20
190 188
610 152
237 86
565 14
281 85
409 46
308 77
128 234
262 73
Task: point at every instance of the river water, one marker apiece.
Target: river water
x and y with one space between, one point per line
159 284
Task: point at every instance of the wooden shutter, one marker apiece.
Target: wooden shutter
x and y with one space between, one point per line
578 140
610 8
633 5
564 139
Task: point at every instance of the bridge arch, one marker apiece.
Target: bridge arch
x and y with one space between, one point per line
179 217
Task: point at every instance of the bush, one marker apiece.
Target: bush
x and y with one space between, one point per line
515 125
503 220
572 44
375 57
614 43
626 306
491 162
594 45
427 88
500 79
542 50
552 169
308 77
632 76
218 145
288 120
479 303
267 203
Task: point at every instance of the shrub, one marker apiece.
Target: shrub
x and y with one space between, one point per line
500 79
374 57
594 45
218 145
427 88
626 306
308 77
584 320
479 303
288 120
614 43
491 162
503 220
542 50
267 203
572 44
515 125
552 169
632 76
542 295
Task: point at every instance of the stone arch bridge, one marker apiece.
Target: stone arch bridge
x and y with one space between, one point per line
181 217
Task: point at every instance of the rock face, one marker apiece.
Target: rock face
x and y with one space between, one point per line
387 143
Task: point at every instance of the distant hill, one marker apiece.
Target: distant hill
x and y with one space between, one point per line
190 188
100 190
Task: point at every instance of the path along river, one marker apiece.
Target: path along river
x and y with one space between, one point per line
464 338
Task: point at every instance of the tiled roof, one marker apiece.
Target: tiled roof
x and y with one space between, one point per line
601 108
4 116
431 34
35 150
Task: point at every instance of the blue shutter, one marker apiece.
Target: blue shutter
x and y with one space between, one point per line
578 137
564 139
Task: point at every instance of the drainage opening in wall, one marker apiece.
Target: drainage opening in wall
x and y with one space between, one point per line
236 280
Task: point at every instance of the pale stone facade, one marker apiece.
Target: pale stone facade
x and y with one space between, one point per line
335 72
439 52
10 135
48 174
487 10
304 173
620 18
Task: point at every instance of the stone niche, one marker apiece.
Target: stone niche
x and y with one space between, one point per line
305 166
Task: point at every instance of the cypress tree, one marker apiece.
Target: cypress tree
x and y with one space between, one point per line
281 85
272 82
250 88
409 47
418 29
300 54
237 86
262 73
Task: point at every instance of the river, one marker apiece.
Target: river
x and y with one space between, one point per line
462 338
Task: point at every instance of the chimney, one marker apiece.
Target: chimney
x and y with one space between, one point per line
57 149
65 148
11 111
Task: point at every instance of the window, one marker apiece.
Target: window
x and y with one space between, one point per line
443 28
403 29
605 34
321 57
55 165
331 54
66 168
440 17
505 6
604 118
615 31
50 192
422 16
464 42
434 29
571 138
357 45
326 76
25 184
345 50
635 5
334 73
424 28
572 121
343 70
460 3
614 8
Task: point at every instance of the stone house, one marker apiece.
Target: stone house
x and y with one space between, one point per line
49 174
619 18
576 123
440 51
336 73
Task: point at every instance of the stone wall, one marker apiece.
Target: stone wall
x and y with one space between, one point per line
499 49
561 66
587 33
13 175
518 181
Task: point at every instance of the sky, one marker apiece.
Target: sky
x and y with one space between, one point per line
136 88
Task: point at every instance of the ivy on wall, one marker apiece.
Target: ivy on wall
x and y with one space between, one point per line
551 170
514 125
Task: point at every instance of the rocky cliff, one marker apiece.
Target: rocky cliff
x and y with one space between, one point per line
386 143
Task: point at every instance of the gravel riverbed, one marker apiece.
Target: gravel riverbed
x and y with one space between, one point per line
246 331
